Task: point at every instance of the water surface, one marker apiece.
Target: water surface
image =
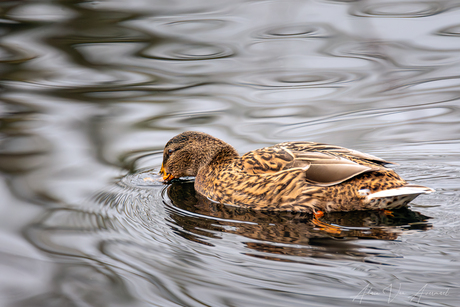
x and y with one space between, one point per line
91 91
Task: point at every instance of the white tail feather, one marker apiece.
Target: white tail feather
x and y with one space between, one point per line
406 190
397 197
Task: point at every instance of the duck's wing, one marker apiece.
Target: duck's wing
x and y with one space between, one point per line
354 155
321 168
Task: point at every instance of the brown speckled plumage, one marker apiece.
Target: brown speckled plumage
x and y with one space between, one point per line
291 176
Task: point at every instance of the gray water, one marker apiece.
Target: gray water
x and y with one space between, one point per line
91 91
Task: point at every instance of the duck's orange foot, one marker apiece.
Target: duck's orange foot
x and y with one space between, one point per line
319 214
325 226
388 212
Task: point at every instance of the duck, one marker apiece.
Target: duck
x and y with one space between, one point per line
296 176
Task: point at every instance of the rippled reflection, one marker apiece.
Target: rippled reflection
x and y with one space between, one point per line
196 214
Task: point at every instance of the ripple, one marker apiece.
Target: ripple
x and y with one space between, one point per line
188 52
75 78
23 153
183 120
450 31
414 114
191 109
399 9
358 122
15 55
446 87
400 56
407 125
368 50
295 30
144 178
299 79
294 95
136 206
286 111
438 83
192 26
41 12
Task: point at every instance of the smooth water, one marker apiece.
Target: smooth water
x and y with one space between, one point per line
91 91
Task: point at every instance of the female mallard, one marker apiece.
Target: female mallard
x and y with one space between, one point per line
292 176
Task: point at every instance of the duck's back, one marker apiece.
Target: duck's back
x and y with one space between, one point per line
305 176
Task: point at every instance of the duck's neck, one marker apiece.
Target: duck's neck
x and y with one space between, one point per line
219 154
217 158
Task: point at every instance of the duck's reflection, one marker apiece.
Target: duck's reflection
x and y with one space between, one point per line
287 233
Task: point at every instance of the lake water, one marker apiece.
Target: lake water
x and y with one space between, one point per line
91 91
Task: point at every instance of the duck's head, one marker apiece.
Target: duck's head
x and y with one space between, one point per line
187 152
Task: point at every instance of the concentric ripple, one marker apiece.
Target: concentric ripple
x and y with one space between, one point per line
398 9
188 52
301 30
299 78
191 26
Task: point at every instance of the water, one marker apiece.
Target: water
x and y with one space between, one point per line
91 91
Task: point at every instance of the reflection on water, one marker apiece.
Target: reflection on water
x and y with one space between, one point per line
196 214
91 91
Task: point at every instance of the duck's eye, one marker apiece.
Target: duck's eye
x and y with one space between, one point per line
170 151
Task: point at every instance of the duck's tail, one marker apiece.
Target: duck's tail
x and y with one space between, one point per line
397 197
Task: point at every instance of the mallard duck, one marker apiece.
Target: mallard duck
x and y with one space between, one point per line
292 176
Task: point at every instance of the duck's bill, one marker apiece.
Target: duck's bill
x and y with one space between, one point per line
166 177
